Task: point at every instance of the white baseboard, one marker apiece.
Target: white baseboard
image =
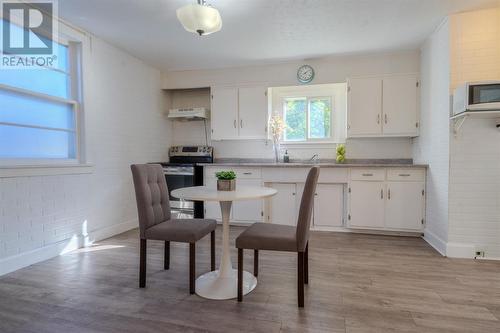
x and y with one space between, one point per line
437 243
113 230
13 263
460 250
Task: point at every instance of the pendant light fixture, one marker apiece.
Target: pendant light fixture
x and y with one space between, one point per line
200 18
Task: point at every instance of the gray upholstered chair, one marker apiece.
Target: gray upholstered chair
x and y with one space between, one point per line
277 237
156 223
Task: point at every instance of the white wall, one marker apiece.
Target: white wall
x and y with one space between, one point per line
329 70
40 216
475 152
463 185
432 146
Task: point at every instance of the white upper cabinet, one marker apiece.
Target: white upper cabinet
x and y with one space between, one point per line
383 106
224 113
400 106
239 113
364 107
252 112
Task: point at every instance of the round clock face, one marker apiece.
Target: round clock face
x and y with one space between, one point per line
305 74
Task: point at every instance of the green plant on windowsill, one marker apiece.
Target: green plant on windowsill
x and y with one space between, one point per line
226 180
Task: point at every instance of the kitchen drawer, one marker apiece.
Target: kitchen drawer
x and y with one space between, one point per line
241 173
284 175
404 174
333 175
248 173
368 174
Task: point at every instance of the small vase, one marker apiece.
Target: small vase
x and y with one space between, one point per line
276 148
226 184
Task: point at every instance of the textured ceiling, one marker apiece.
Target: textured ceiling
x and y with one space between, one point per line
262 31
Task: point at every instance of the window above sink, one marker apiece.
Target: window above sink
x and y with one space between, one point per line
313 114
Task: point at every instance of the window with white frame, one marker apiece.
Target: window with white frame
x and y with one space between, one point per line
313 113
39 111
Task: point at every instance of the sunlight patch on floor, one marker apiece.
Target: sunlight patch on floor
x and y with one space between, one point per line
97 247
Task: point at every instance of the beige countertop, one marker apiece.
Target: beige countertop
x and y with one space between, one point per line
386 163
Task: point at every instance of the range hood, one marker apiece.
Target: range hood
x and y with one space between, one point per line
189 113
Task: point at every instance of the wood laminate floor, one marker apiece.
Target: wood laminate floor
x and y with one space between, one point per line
358 283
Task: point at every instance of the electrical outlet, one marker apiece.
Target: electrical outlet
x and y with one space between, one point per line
479 254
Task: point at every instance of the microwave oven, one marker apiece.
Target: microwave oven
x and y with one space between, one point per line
477 96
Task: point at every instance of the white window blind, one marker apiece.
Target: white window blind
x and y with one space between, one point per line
38 111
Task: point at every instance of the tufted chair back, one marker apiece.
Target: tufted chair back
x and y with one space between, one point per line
151 194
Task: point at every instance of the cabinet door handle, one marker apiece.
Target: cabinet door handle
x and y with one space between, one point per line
247 173
241 123
389 194
378 119
381 193
404 175
293 193
367 174
385 118
234 123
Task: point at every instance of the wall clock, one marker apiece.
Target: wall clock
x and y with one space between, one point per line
305 74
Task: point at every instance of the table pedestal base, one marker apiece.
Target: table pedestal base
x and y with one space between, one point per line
213 286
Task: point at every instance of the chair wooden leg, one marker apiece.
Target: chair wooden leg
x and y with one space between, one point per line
306 264
192 267
300 279
166 257
240 275
256 263
142 264
212 251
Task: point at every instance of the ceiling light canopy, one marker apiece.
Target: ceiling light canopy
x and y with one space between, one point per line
200 18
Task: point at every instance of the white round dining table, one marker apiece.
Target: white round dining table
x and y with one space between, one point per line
222 283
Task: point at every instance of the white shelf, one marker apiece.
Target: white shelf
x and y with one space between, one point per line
459 119
478 114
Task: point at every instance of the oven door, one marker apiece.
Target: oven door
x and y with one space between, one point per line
179 177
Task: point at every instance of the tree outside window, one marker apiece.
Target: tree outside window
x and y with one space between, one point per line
307 118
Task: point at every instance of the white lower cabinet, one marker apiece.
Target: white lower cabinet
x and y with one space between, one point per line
366 204
212 209
391 199
241 211
282 207
395 202
329 205
404 205
249 210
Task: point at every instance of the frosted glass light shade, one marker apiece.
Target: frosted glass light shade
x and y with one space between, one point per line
199 19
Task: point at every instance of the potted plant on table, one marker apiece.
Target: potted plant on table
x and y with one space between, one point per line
226 180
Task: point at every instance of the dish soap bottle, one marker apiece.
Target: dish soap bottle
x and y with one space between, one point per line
286 158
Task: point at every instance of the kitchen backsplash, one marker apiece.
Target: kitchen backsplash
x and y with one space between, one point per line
193 133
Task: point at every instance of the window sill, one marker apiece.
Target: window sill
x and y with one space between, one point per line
310 144
11 171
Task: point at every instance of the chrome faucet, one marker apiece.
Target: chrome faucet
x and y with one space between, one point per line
314 158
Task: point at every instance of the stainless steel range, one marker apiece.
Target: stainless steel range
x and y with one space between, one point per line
184 170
